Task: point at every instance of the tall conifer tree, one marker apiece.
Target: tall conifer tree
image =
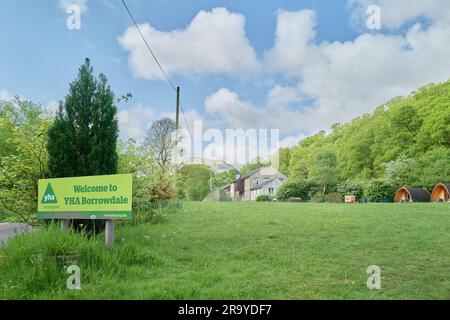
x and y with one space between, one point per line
83 138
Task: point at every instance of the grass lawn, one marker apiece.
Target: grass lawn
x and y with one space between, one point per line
247 251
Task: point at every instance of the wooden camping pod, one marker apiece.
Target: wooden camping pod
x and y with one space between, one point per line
441 193
412 195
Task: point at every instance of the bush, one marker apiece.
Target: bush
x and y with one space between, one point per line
263 198
380 191
162 190
318 198
352 187
333 198
425 171
293 189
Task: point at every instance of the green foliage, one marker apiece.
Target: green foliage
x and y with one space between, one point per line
301 163
133 160
83 138
194 180
326 170
35 264
394 142
9 115
223 178
251 167
154 213
284 157
263 198
425 171
380 190
352 187
27 126
160 143
293 189
333 197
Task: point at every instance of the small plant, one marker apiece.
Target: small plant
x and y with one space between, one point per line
263 198
380 191
155 213
352 187
293 189
333 198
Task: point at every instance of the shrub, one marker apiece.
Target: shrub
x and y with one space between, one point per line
293 189
333 197
162 190
380 191
352 187
318 198
263 198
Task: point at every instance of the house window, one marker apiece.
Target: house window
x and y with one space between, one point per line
271 191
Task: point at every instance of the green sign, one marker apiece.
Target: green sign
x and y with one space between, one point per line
97 197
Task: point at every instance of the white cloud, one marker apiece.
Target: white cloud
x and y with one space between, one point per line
214 42
294 33
394 14
280 96
291 141
64 4
347 79
134 121
341 80
227 105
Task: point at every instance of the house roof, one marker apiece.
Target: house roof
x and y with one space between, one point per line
265 183
255 171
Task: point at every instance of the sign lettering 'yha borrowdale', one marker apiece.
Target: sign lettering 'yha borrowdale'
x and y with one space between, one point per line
96 197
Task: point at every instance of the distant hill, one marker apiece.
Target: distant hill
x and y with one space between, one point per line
217 166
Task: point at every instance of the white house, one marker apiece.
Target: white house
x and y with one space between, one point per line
263 181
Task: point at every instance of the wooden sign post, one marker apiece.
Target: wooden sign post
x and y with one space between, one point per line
97 198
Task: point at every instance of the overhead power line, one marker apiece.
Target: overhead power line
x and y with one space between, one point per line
185 121
148 47
160 67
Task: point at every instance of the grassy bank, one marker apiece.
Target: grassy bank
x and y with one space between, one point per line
245 251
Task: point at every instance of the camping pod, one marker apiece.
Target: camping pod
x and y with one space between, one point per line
441 193
412 195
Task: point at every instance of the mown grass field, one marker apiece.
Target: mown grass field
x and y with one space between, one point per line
246 251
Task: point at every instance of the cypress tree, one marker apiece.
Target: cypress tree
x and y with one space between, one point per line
83 138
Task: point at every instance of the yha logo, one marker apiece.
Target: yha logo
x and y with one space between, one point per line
49 196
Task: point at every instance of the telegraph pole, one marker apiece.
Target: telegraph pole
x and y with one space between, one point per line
177 125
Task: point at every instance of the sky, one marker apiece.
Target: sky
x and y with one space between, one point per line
297 66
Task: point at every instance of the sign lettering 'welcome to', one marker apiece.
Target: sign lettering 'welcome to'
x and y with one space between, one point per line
97 197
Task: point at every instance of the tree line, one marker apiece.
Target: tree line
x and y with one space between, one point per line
404 142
